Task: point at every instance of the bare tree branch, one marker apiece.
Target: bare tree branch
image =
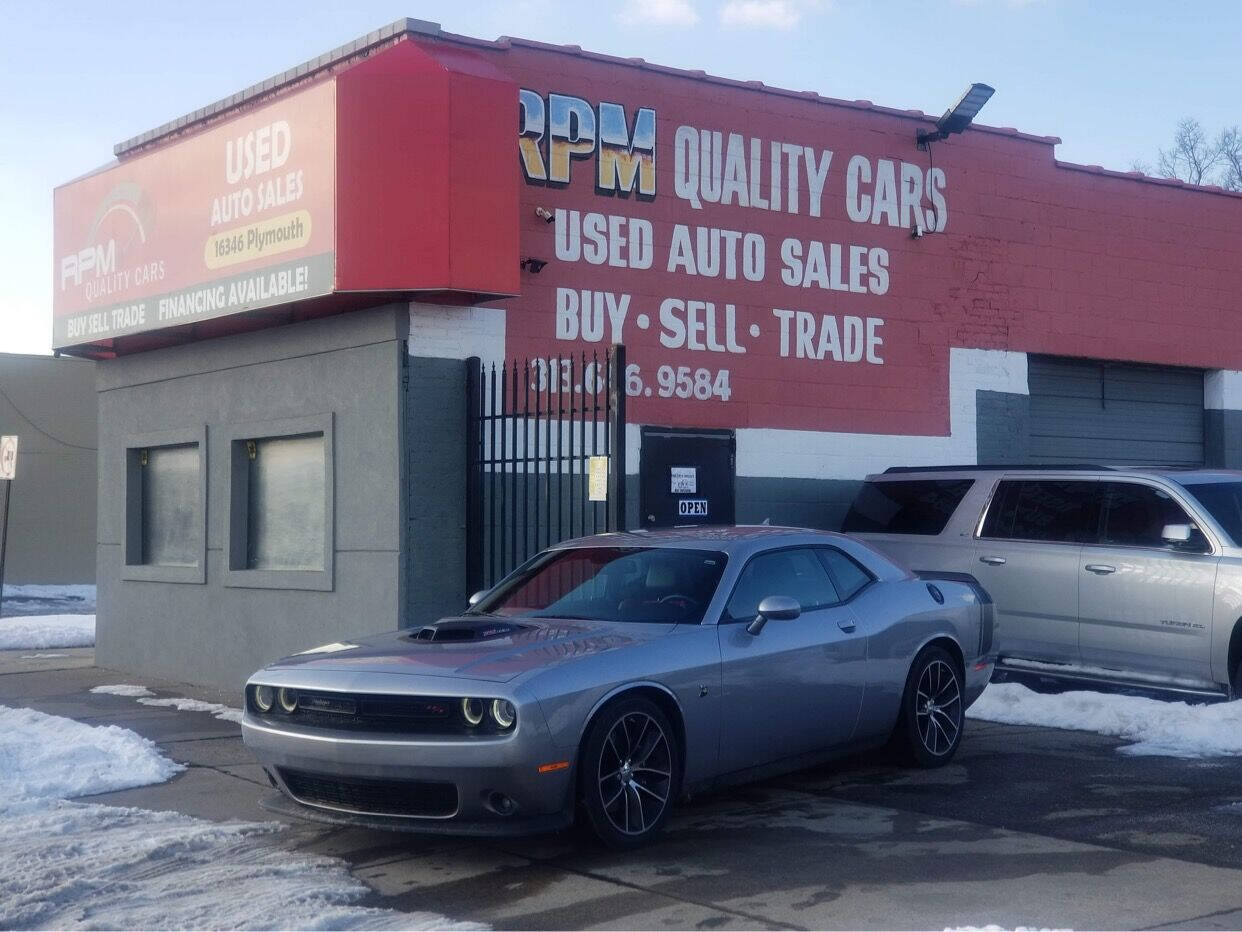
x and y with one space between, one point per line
1192 155
1230 147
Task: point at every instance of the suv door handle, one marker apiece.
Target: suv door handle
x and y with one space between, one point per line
1100 569
993 561
846 626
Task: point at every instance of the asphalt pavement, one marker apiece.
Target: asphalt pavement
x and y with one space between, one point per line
1027 827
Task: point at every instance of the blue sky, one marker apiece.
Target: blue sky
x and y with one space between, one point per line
1110 78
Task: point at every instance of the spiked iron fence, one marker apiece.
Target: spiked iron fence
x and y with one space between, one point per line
534 426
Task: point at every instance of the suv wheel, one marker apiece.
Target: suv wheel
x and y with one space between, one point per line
629 774
932 710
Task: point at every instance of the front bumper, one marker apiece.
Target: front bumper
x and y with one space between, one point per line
499 787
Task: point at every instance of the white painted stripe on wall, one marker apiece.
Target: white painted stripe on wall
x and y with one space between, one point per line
1222 390
442 331
804 454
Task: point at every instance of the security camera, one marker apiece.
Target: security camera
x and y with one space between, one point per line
917 231
535 265
544 214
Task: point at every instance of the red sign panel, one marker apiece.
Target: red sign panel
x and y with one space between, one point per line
755 262
238 217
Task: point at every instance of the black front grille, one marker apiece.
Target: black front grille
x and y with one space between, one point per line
375 797
371 712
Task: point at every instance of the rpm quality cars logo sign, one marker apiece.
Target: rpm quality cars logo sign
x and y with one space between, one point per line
237 217
731 264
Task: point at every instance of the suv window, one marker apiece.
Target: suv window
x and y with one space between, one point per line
846 574
908 506
795 573
1135 516
1060 510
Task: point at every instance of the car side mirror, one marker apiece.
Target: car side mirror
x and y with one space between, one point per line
774 608
1176 534
477 597
1185 537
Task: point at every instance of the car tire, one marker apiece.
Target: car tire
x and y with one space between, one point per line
1237 680
933 710
629 772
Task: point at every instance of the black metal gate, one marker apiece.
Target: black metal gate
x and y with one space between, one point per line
534 427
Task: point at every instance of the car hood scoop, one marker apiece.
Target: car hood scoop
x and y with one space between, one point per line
457 630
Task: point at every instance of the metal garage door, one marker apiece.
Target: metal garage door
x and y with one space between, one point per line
1114 413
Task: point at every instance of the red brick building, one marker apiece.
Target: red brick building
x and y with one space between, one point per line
804 296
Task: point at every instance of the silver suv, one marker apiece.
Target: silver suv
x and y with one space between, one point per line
1118 574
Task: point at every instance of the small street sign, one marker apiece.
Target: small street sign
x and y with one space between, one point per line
8 456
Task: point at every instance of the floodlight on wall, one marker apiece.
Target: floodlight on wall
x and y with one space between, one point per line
959 116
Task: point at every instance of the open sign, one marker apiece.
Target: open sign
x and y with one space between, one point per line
692 507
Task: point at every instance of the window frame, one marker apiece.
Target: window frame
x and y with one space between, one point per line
727 619
880 483
237 495
132 569
1173 494
871 577
994 498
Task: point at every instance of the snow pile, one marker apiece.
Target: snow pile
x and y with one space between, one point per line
48 600
228 713
72 864
49 756
122 689
1170 729
40 632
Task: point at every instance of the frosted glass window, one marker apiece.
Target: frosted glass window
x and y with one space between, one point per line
170 504
286 504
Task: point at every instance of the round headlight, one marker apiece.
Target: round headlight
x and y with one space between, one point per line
472 711
264 696
503 713
288 699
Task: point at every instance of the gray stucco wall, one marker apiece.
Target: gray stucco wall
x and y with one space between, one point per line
349 367
1002 427
1222 438
435 432
49 403
815 503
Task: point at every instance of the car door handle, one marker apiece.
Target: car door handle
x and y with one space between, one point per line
993 561
846 626
1100 569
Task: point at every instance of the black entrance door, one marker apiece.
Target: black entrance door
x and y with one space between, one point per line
686 477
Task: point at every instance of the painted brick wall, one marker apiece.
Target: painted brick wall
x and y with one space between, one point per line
1037 256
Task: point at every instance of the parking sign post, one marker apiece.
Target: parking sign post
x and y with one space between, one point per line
8 471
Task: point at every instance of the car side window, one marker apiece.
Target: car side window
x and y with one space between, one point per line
794 573
847 575
1135 516
1052 510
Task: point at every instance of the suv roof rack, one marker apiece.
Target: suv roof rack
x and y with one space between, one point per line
1005 467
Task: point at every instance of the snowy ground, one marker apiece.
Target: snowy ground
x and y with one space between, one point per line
48 600
1171 729
182 704
44 632
82 865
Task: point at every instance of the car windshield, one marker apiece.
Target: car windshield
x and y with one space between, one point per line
623 584
1223 501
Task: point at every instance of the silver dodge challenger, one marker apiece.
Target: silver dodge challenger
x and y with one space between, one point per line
607 676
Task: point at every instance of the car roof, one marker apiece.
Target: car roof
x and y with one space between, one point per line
716 537
1183 475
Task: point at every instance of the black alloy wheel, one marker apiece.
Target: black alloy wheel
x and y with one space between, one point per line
629 773
933 711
